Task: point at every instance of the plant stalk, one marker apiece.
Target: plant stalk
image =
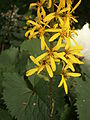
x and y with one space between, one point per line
51 113
50 82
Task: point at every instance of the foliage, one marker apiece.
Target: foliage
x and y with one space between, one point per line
83 95
23 98
25 104
4 115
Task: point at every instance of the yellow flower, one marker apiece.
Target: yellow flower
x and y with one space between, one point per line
62 3
38 29
55 15
40 10
65 75
72 54
69 15
59 10
52 56
46 60
73 9
40 67
63 33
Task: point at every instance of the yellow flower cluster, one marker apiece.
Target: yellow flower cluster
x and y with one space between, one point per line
58 23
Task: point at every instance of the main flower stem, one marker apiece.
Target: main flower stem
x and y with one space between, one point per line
50 82
51 114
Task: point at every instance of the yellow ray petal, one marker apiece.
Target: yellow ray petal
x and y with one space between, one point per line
50 4
76 48
49 70
62 4
52 30
59 54
33 23
61 82
27 33
76 6
74 59
68 43
54 37
41 56
32 5
60 20
73 74
67 24
32 33
57 60
57 47
63 58
65 87
35 33
34 60
74 41
38 13
62 45
64 10
43 12
63 67
49 17
75 20
42 42
70 65
53 65
40 69
78 54
69 2
47 48
31 71
55 26
42 1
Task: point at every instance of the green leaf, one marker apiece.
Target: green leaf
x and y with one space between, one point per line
58 97
42 89
8 59
66 115
83 92
22 62
13 60
24 103
83 99
4 115
32 47
1 80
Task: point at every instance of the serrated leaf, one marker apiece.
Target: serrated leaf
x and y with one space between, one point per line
4 115
66 115
83 92
83 99
69 113
23 103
